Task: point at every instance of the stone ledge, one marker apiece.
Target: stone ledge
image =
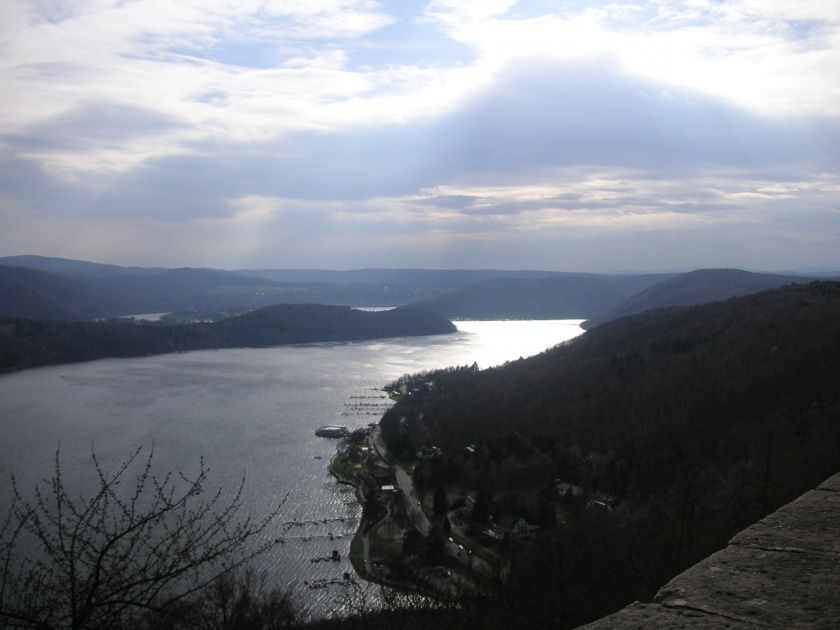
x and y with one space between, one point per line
777 589
832 484
782 572
810 523
647 616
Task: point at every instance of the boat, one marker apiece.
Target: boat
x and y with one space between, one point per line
332 431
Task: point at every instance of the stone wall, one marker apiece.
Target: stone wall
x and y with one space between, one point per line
782 572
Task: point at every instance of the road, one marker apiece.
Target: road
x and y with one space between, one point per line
405 484
421 522
469 559
412 503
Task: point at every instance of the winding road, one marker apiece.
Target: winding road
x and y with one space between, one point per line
405 484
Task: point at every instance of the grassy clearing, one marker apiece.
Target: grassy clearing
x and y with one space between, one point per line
357 555
344 470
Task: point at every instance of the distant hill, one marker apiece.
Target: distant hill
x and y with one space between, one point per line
46 295
90 290
27 343
71 267
18 298
42 295
200 289
28 292
696 287
421 279
560 296
157 289
177 289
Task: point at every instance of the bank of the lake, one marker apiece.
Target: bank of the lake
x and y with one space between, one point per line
28 343
246 411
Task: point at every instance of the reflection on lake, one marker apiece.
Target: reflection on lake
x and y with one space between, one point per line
248 412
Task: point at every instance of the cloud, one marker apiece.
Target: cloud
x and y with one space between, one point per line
772 58
537 120
326 131
225 71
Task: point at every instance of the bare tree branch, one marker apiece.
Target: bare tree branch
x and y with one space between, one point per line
99 562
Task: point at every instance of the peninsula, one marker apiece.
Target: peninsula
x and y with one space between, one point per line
28 343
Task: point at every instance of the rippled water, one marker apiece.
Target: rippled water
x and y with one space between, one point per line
248 412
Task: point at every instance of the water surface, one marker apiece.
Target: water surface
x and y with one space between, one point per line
248 412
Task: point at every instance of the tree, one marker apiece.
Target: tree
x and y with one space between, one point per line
412 543
439 502
482 508
112 559
236 601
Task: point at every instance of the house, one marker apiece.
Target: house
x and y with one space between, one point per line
569 491
383 475
460 512
509 526
428 452
602 501
597 461
388 488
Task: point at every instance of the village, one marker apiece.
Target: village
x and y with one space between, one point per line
445 540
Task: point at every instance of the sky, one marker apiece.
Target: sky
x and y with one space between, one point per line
543 134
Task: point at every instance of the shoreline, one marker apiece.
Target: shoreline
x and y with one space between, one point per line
40 343
391 515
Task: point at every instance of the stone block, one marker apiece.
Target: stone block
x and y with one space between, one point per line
832 484
648 616
809 523
779 589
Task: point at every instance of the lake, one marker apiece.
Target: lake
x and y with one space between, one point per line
248 412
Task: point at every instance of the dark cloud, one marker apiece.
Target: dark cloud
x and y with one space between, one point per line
93 125
539 114
536 119
27 185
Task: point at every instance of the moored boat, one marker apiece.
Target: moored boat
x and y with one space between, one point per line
332 431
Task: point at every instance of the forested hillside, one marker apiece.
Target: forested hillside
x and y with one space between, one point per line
693 422
45 295
696 287
26 343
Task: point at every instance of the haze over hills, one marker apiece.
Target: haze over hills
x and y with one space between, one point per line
410 277
130 290
52 288
72 267
85 290
49 295
696 287
434 279
557 297
44 295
